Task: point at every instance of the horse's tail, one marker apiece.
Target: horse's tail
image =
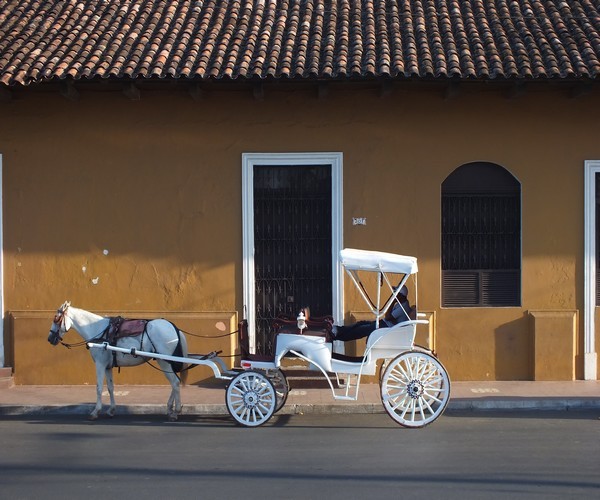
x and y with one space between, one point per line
183 374
181 351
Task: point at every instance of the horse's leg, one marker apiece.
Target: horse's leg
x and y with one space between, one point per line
111 391
100 371
174 402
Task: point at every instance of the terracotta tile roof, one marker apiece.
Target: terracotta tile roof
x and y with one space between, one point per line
42 40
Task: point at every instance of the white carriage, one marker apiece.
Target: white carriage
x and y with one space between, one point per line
414 385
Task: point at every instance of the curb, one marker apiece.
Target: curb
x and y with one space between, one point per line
471 405
519 404
189 409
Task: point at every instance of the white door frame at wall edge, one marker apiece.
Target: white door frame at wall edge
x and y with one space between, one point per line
1 273
249 161
590 359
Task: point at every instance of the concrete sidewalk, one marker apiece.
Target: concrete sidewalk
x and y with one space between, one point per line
209 398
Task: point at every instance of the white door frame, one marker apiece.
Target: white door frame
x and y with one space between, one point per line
249 160
1 272
590 357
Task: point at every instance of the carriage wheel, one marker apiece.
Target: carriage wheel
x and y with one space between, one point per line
281 385
251 398
382 370
415 389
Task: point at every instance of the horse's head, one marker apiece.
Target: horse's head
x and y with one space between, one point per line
60 325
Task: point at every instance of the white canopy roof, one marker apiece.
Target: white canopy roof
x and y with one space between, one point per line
369 260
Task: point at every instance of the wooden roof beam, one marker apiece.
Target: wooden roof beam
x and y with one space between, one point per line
258 91
580 89
386 88
452 90
68 90
131 92
516 90
5 94
196 92
322 90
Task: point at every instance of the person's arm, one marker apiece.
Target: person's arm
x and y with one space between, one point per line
389 315
401 312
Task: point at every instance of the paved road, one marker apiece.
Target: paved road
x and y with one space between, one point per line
483 455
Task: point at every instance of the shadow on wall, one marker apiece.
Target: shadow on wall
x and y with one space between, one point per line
513 350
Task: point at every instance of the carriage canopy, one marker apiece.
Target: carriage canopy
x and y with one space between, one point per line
370 260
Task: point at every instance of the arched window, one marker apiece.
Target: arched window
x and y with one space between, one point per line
481 237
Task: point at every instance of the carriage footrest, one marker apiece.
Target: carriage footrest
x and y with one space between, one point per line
261 358
347 359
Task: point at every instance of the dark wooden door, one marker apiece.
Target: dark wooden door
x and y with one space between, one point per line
292 244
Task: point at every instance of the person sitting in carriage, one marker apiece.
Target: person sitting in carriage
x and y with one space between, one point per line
401 311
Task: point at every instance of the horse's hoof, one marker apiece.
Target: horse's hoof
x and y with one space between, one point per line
172 418
93 417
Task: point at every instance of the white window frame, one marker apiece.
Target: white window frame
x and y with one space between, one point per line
249 161
2 358
590 357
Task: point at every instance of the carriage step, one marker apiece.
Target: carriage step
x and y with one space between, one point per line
300 377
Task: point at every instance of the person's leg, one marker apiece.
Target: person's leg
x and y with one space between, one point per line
355 331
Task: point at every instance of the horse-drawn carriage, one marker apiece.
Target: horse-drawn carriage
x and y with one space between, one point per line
414 385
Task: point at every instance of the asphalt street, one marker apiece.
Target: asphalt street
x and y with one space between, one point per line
488 455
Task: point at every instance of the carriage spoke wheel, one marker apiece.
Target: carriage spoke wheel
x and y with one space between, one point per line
281 385
415 389
251 399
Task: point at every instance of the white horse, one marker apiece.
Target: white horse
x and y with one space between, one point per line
160 336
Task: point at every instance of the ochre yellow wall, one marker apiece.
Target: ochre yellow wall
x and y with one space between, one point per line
137 205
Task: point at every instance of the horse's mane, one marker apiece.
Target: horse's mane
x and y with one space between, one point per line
89 314
85 317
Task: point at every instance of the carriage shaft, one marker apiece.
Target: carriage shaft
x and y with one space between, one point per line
154 355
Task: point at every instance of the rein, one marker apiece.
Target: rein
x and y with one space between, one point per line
70 346
82 343
209 336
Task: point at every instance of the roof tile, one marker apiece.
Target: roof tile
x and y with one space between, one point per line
239 39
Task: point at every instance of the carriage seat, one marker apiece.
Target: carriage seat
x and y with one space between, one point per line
315 327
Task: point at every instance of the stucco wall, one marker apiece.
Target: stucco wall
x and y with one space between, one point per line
136 205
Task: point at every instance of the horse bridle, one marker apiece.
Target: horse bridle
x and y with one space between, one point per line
59 322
